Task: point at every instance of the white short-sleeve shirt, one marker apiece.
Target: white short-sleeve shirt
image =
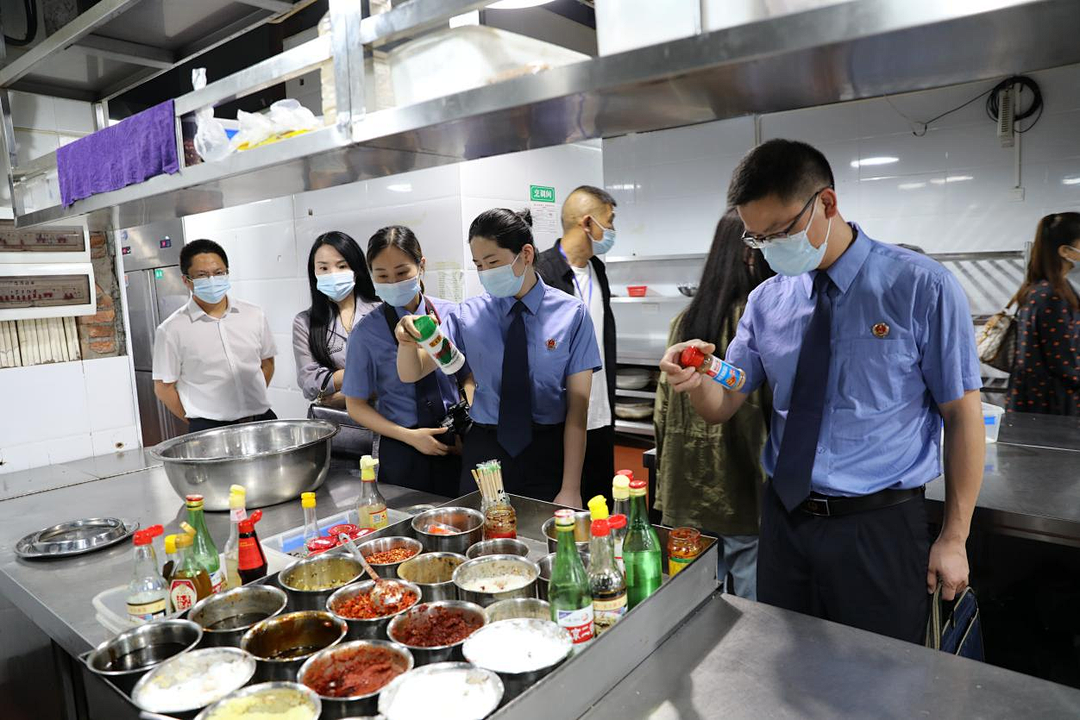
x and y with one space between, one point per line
216 363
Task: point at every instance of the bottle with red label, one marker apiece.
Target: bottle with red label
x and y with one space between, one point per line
189 582
568 590
724 373
148 593
205 550
606 582
252 559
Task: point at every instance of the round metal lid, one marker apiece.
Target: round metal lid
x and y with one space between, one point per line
75 537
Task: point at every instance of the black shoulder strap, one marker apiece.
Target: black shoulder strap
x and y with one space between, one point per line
392 318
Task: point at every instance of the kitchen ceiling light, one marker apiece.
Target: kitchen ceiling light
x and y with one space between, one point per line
1071 180
516 4
867 162
911 185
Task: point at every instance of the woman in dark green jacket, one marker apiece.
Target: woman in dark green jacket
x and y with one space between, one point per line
709 476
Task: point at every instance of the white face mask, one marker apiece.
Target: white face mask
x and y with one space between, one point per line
1073 256
795 254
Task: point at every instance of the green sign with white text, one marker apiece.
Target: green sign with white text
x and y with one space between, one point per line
541 193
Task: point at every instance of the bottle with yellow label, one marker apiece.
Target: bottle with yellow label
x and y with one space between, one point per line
148 593
371 507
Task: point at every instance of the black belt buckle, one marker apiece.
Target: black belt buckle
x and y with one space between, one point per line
817 506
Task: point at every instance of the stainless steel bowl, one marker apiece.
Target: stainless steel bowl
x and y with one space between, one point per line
473 692
518 608
490 568
275 461
511 647
282 644
267 697
225 617
546 564
469 523
225 669
342 707
132 653
433 573
393 542
498 546
582 527
363 628
325 572
441 653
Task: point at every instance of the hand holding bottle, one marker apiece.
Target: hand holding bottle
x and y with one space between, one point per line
683 379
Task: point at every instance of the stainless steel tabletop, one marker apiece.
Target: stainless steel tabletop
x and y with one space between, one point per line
57 594
739 659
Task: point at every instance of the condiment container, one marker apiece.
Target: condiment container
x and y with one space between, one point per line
309 582
518 608
684 544
520 651
519 573
382 544
193 680
265 699
445 689
582 531
131 654
281 644
367 628
498 546
225 617
323 662
433 573
439 653
469 524
546 564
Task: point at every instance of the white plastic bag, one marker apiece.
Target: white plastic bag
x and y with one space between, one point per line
211 142
285 117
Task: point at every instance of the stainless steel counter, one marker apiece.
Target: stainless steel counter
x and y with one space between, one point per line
740 659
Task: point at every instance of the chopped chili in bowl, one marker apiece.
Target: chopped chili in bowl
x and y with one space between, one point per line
352 672
360 607
391 556
436 627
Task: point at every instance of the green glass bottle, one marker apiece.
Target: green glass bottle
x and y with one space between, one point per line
641 550
205 550
568 589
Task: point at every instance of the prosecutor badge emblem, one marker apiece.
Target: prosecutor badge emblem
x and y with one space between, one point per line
880 330
552 344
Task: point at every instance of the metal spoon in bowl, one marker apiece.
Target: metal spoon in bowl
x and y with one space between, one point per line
385 596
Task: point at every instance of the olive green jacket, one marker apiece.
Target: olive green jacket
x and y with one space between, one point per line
709 476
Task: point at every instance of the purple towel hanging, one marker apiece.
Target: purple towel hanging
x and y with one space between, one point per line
137 148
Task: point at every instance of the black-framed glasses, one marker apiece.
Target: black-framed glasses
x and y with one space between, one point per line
204 276
759 241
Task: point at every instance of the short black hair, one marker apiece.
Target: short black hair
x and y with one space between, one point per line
599 194
508 229
789 169
198 247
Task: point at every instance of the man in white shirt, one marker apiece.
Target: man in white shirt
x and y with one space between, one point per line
588 220
214 357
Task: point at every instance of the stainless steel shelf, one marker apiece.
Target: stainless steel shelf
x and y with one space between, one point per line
631 427
644 394
652 299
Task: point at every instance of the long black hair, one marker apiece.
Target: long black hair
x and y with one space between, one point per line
1046 262
396 236
508 229
323 310
731 271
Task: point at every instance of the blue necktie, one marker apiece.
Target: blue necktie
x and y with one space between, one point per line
798 448
515 395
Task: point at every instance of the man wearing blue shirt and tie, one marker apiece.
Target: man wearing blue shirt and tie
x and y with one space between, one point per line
867 349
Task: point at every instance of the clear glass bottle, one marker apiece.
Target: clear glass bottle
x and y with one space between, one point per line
237 513
620 494
568 589
206 551
148 592
370 507
606 582
189 582
641 550
684 544
311 521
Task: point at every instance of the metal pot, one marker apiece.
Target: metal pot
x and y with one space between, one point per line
442 653
469 523
493 657
498 546
225 617
273 692
275 461
132 653
343 707
328 572
362 628
582 529
518 608
547 563
282 644
493 566
433 573
389 570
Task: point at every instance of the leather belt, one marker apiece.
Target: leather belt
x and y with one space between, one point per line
830 506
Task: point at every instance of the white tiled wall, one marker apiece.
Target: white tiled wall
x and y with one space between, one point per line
65 411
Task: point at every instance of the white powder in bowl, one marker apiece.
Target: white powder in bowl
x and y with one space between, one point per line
194 680
518 646
447 691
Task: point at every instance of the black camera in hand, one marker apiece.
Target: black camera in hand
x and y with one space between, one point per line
457 419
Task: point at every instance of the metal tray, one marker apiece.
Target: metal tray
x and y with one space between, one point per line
74 537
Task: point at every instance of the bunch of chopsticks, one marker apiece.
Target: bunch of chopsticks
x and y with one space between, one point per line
488 477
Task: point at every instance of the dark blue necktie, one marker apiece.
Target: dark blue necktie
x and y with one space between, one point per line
515 395
429 403
798 448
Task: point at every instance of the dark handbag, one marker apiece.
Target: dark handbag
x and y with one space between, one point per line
959 631
352 441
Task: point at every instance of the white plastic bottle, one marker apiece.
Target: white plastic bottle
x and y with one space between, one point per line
148 593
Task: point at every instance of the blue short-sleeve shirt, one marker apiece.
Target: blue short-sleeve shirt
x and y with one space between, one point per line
561 341
371 366
902 343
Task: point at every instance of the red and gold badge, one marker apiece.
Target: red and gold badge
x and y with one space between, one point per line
552 344
880 330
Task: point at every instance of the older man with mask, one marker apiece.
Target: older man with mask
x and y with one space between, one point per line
214 357
588 221
867 348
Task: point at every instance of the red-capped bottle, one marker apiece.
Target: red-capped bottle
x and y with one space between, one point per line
724 373
252 559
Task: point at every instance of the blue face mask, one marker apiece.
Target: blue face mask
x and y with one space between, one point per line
398 294
606 242
795 254
501 281
212 289
336 286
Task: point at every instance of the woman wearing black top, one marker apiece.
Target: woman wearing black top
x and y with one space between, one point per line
1046 377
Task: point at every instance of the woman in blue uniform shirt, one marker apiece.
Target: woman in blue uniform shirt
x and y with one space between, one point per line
414 451
532 351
